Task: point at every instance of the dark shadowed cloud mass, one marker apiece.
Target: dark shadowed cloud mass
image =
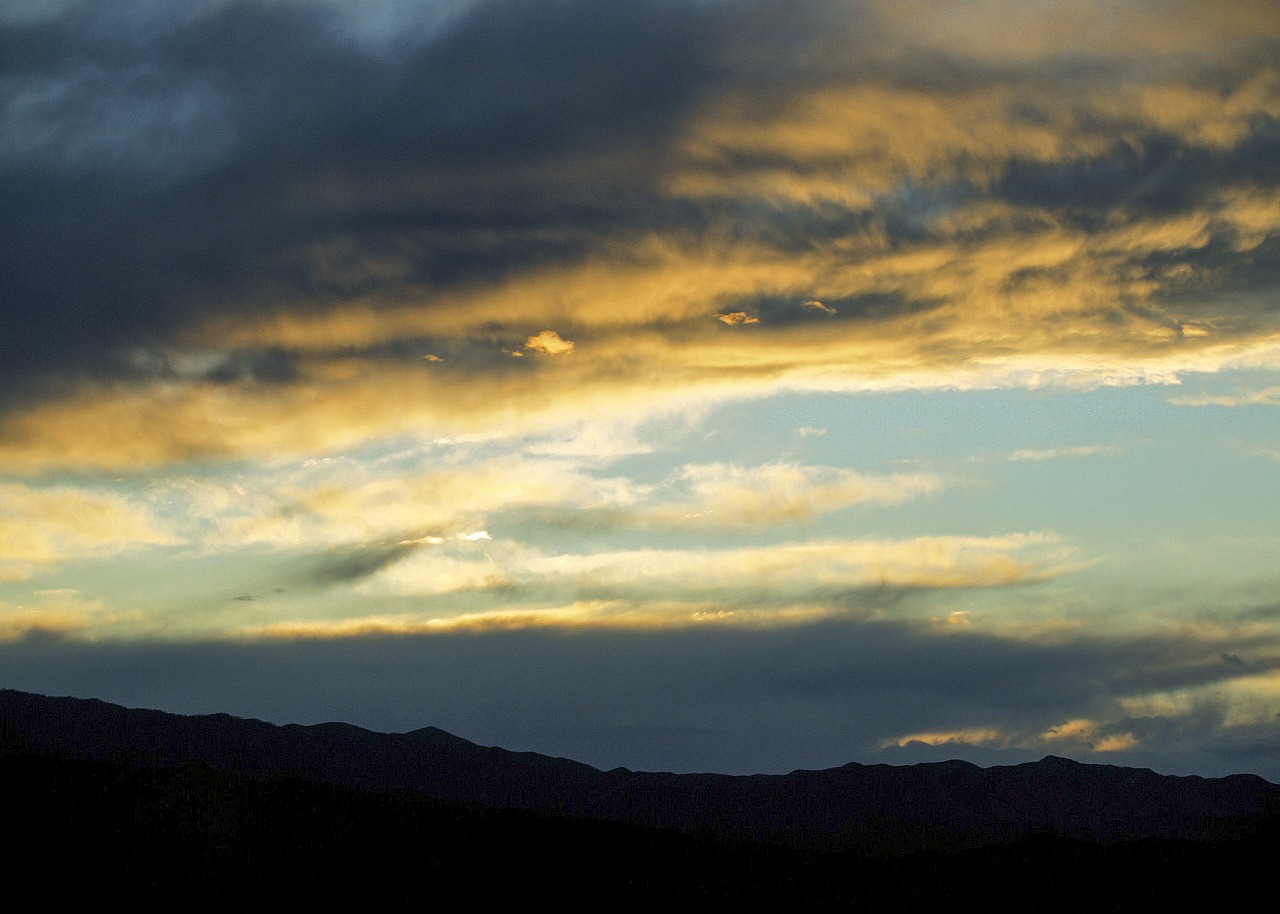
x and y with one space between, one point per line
814 696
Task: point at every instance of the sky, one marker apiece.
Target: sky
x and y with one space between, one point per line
734 385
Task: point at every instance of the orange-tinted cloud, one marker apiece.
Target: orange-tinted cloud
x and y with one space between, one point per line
42 527
548 342
793 570
907 203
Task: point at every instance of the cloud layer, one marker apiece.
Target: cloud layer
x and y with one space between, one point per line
581 371
246 227
719 699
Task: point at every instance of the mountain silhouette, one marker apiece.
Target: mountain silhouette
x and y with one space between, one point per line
881 810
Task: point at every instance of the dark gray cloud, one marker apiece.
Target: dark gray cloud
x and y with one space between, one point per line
160 164
788 311
342 565
716 698
1152 173
154 175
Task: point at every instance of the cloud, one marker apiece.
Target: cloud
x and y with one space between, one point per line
41 527
723 698
1083 450
61 610
727 495
497 143
557 484
976 736
1088 732
721 497
363 505
259 255
599 440
1080 735
1019 214
1269 396
353 563
548 342
680 586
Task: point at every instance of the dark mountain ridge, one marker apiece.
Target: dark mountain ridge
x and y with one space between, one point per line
877 809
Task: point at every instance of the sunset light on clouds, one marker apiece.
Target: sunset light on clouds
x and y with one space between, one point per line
742 385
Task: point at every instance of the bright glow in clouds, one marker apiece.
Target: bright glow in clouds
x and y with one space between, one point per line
548 342
1074 734
794 569
899 383
46 526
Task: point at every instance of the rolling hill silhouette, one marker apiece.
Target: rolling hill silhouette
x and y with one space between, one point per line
149 800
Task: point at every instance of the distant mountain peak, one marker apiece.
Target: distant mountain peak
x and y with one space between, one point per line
434 736
945 804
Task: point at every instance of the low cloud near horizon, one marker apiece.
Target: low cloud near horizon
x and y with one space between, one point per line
735 701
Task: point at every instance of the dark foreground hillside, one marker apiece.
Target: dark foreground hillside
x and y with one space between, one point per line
97 830
104 802
875 809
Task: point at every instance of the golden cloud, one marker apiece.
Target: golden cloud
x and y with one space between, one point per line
548 342
636 374
1083 733
40 527
798 568
973 736
724 495
62 610
986 290
356 506
1003 30
580 614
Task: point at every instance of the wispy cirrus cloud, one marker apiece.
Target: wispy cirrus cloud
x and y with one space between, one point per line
727 495
357 505
1055 453
1269 396
787 573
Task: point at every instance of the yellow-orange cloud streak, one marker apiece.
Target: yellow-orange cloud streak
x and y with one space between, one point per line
40 527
